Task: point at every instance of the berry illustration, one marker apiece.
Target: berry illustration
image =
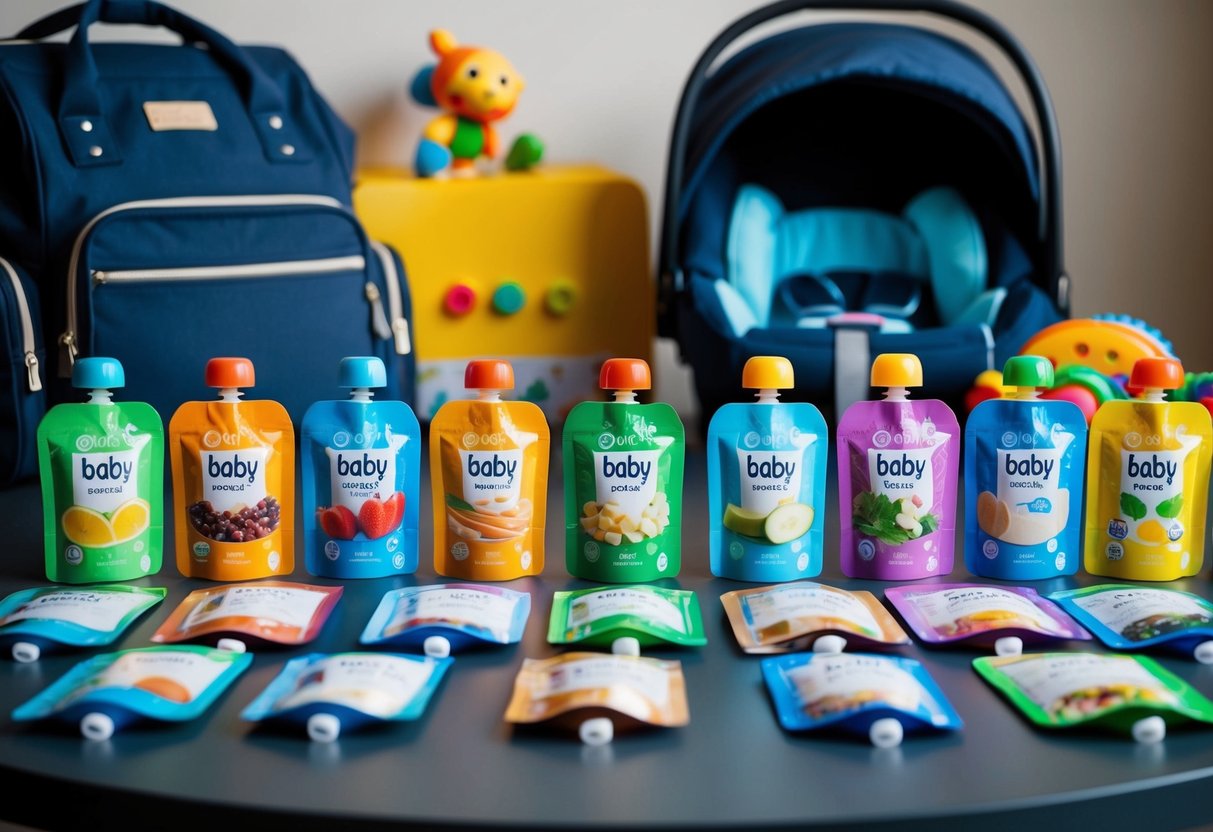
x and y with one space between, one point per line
338 522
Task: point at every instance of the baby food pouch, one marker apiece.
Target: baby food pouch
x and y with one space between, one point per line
767 481
980 615
897 468
1128 617
1148 480
1024 460
172 684
34 619
273 611
489 473
361 480
102 469
644 691
463 614
791 617
333 693
1060 690
233 481
623 482
650 614
854 692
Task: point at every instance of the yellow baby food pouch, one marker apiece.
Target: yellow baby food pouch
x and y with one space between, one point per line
233 481
489 472
1148 481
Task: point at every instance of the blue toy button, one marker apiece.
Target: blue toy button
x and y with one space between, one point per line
98 374
509 298
362 371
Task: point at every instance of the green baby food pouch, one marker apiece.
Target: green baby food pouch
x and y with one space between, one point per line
1122 693
102 469
623 482
650 614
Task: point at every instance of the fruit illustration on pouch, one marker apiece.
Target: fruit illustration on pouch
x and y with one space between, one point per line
93 529
338 522
893 521
165 688
378 517
782 524
610 524
243 524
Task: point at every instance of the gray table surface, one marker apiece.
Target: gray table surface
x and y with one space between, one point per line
462 766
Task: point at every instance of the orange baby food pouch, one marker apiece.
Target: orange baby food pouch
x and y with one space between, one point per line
233 481
489 472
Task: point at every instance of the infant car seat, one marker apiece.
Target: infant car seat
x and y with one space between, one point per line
844 189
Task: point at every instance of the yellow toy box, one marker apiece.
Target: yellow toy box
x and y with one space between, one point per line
548 269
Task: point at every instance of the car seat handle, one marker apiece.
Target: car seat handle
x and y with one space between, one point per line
1049 226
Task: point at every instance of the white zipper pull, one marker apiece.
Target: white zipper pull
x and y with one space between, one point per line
382 328
67 354
400 329
31 369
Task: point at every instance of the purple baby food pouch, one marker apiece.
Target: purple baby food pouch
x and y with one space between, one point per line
978 614
897 471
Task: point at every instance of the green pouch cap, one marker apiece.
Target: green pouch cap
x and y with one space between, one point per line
650 614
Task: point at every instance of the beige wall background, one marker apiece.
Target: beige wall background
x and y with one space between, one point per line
1132 82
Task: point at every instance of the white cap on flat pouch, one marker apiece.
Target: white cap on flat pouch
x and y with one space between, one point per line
626 646
598 731
437 647
96 726
1149 730
1009 646
25 652
323 728
886 733
232 645
830 644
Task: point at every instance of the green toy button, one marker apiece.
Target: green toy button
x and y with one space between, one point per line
1027 371
560 297
508 298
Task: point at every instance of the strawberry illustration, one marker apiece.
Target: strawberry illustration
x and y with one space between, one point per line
395 507
337 522
375 517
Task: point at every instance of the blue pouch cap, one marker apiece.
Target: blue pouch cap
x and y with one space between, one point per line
172 684
98 374
1132 617
362 371
849 692
361 480
1025 462
465 615
348 690
51 616
766 519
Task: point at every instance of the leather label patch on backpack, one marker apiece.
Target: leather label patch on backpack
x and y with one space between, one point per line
180 115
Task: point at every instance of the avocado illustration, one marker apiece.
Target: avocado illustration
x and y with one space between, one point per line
742 521
788 522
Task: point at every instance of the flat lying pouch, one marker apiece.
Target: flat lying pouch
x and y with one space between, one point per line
977 614
353 688
1128 617
463 614
650 614
851 691
645 691
790 617
86 617
279 612
172 684
1062 690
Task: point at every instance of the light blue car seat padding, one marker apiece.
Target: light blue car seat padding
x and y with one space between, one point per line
955 247
938 240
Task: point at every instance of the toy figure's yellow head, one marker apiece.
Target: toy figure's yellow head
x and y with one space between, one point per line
471 81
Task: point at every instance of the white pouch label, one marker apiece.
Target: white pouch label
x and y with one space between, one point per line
381 686
846 681
288 607
790 602
595 606
1118 609
101 611
233 480
947 606
1050 680
452 606
651 682
104 480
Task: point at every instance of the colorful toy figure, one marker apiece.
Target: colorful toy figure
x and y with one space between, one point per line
476 87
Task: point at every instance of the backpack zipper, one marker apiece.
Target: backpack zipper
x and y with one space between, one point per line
68 348
280 268
399 323
32 377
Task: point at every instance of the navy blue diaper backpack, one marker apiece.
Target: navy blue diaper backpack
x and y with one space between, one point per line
846 189
166 203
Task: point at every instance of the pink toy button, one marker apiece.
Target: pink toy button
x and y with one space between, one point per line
460 300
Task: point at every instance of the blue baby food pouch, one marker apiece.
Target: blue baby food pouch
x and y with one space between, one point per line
767 481
33 620
1024 470
334 693
852 692
1129 617
361 480
172 684
463 614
